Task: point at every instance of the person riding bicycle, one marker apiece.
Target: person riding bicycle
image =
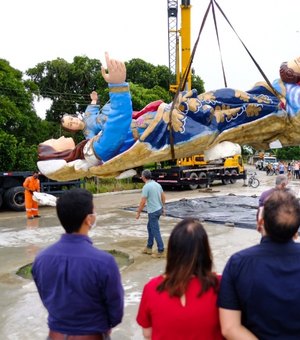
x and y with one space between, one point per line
270 168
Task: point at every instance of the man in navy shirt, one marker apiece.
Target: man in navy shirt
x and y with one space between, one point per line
260 288
79 285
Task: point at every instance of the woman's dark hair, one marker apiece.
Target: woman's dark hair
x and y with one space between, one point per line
189 254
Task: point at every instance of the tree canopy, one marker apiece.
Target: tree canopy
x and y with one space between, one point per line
68 85
20 127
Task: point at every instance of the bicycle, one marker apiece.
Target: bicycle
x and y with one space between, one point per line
253 181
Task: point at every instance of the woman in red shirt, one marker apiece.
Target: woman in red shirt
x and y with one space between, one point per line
181 304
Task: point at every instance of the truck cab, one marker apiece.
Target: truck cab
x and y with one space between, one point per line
235 161
196 160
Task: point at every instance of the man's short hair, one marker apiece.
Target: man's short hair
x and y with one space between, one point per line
73 207
281 216
281 179
146 173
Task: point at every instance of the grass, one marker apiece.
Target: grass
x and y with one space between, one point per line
25 271
122 259
101 185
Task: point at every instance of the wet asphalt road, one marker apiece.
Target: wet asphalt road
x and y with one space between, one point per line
22 314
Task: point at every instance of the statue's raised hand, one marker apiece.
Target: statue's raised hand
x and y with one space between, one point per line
116 71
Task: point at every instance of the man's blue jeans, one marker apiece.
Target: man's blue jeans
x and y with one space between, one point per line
154 231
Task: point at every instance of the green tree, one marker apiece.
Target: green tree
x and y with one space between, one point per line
288 153
141 96
147 75
21 130
198 84
17 116
26 157
68 85
8 154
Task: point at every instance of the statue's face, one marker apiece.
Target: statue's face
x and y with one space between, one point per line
61 143
72 123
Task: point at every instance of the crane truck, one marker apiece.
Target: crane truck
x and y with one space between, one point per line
194 172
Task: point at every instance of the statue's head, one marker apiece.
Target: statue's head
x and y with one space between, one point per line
290 71
72 123
60 144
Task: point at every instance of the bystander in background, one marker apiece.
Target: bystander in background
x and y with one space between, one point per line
31 184
154 196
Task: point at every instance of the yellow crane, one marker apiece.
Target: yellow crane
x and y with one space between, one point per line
179 42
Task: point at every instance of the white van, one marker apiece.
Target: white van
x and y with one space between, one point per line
262 163
268 160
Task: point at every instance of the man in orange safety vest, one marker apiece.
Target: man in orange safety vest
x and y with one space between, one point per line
31 184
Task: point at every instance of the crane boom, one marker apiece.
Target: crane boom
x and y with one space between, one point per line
179 40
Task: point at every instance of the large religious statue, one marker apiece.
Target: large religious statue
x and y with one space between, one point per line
118 139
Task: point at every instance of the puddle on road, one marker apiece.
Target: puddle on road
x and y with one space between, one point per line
238 211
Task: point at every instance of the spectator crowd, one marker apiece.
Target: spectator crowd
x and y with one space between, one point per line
256 297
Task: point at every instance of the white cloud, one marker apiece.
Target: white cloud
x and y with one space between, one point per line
41 106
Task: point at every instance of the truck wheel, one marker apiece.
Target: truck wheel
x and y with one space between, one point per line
193 175
202 185
14 198
226 181
233 174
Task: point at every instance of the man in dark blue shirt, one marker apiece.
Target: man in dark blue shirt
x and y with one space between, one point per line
260 288
79 285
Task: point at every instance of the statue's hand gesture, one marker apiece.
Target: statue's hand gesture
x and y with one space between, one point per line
116 71
94 97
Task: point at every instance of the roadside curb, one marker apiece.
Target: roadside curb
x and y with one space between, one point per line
118 192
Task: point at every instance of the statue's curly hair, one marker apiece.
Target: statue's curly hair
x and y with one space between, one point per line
288 75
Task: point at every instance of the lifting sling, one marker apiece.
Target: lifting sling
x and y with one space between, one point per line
184 78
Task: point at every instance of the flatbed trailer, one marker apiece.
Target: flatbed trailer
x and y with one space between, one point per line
195 177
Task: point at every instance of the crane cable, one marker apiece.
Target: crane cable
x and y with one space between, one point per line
188 68
183 82
219 45
276 93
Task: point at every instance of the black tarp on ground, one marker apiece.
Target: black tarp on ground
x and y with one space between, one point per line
229 209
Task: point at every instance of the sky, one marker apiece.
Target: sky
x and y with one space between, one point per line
35 31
